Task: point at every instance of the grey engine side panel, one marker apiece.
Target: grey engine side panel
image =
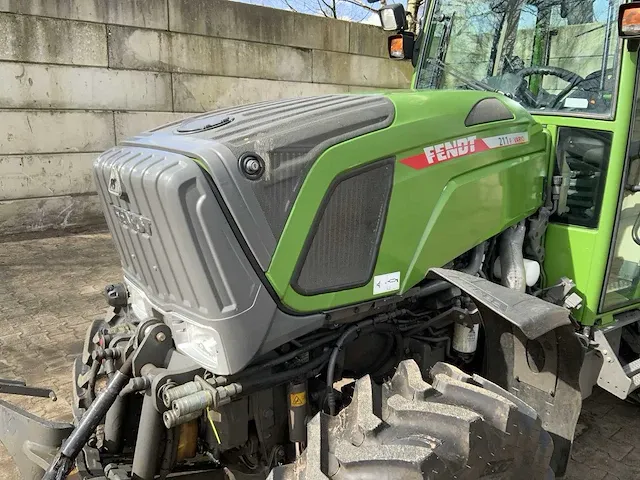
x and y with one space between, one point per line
177 247
289 135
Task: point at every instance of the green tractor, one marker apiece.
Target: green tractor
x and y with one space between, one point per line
418 284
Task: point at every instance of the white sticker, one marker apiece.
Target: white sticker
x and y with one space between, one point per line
389 282
576 103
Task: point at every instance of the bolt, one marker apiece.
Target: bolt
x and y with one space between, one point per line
161 337
605 352
268 413
610 360
251 165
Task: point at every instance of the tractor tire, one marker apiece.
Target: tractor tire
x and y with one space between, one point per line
458 427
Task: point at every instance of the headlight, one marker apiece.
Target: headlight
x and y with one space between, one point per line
199 343
139 303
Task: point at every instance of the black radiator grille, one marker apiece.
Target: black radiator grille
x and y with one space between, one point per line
343 246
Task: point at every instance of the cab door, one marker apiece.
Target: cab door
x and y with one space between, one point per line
622 285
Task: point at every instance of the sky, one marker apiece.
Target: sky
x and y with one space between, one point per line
355 13
346 10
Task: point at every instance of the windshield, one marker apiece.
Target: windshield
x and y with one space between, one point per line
549 55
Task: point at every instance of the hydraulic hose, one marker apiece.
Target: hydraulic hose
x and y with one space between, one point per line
276 379
91 384
475 264
349 335
472 268
63 462
422 326
331 367
289 356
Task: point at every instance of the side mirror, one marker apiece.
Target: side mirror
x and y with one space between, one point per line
629 20
401 45
393 17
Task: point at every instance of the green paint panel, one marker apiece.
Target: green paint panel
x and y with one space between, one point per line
582 253
435 213
439 212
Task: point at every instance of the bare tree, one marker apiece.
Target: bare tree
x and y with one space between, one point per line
413 11
354 10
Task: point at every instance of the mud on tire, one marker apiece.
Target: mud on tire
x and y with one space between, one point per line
458 427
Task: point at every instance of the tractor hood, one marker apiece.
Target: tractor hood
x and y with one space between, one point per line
241 227
196 228
285 137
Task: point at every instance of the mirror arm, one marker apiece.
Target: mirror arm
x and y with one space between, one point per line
633 155
634 231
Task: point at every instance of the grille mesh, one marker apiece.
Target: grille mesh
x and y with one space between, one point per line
344 247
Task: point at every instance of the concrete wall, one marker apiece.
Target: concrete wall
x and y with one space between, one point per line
77 76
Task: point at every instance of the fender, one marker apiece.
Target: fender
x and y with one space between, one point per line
534 317
532 351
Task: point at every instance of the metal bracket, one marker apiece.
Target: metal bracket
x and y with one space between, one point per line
613 377
19 387
154 347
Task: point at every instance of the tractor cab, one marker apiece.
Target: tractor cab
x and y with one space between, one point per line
573 65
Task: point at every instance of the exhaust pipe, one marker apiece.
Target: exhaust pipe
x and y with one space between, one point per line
511 260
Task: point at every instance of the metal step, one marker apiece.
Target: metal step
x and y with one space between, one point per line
622 320
633 368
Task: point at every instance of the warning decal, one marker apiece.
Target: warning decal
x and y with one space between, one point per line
461 147
298 399
389 282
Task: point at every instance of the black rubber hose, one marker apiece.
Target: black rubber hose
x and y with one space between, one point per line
273 380
93 376
357 329
421 326
433 287
474 266
331 367
289 356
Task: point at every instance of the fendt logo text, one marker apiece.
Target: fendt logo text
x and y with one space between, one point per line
133 221
442 152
